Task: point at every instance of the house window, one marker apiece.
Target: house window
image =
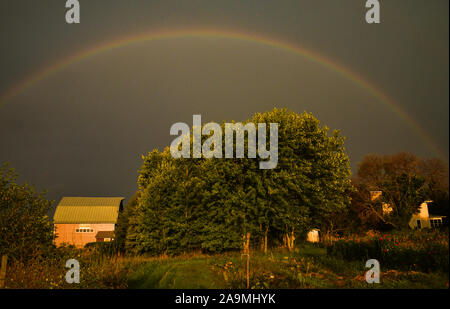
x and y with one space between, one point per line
419 224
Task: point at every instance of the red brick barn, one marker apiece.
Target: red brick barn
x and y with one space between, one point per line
80 220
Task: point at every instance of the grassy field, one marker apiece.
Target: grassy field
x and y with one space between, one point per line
413 260
307 267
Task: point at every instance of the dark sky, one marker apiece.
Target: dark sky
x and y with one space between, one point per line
81 131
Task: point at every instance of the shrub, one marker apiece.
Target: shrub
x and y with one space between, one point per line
420 250
101 248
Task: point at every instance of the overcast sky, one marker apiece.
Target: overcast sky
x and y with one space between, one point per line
81 131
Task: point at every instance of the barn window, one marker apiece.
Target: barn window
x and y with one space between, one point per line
84 230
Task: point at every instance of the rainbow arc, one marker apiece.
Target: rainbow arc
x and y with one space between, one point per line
195 33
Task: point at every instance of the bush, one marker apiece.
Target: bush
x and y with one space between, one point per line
25 227
102 248
420 250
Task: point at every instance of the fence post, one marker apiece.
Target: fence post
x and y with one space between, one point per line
3 271
247 252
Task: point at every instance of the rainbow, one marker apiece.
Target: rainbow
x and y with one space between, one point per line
162 34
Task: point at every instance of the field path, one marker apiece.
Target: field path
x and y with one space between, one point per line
176 274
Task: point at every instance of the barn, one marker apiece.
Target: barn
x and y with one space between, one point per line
81 220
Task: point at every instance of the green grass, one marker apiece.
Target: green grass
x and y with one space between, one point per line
307 267
175 273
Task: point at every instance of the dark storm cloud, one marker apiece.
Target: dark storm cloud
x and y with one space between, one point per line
82 130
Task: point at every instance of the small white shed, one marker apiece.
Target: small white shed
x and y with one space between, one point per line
313 235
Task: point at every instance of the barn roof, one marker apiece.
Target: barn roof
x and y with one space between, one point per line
88 210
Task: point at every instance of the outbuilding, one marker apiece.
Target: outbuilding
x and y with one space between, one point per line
80 220
313 235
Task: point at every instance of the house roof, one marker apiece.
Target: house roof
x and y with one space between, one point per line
436 217
88 210
105 234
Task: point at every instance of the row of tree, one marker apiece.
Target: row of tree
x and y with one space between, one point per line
215 204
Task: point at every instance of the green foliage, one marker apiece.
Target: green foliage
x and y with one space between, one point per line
48 271
25 228
406 193
101 248
120 233
209 204
307 267
418 250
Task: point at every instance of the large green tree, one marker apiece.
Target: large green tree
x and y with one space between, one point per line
210 204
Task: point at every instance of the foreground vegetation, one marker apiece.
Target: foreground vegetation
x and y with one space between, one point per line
418 250
339 264
307 267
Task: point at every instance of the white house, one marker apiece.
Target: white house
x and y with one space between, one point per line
423 219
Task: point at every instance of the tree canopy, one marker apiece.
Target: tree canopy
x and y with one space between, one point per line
25 228
405 181
209 204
